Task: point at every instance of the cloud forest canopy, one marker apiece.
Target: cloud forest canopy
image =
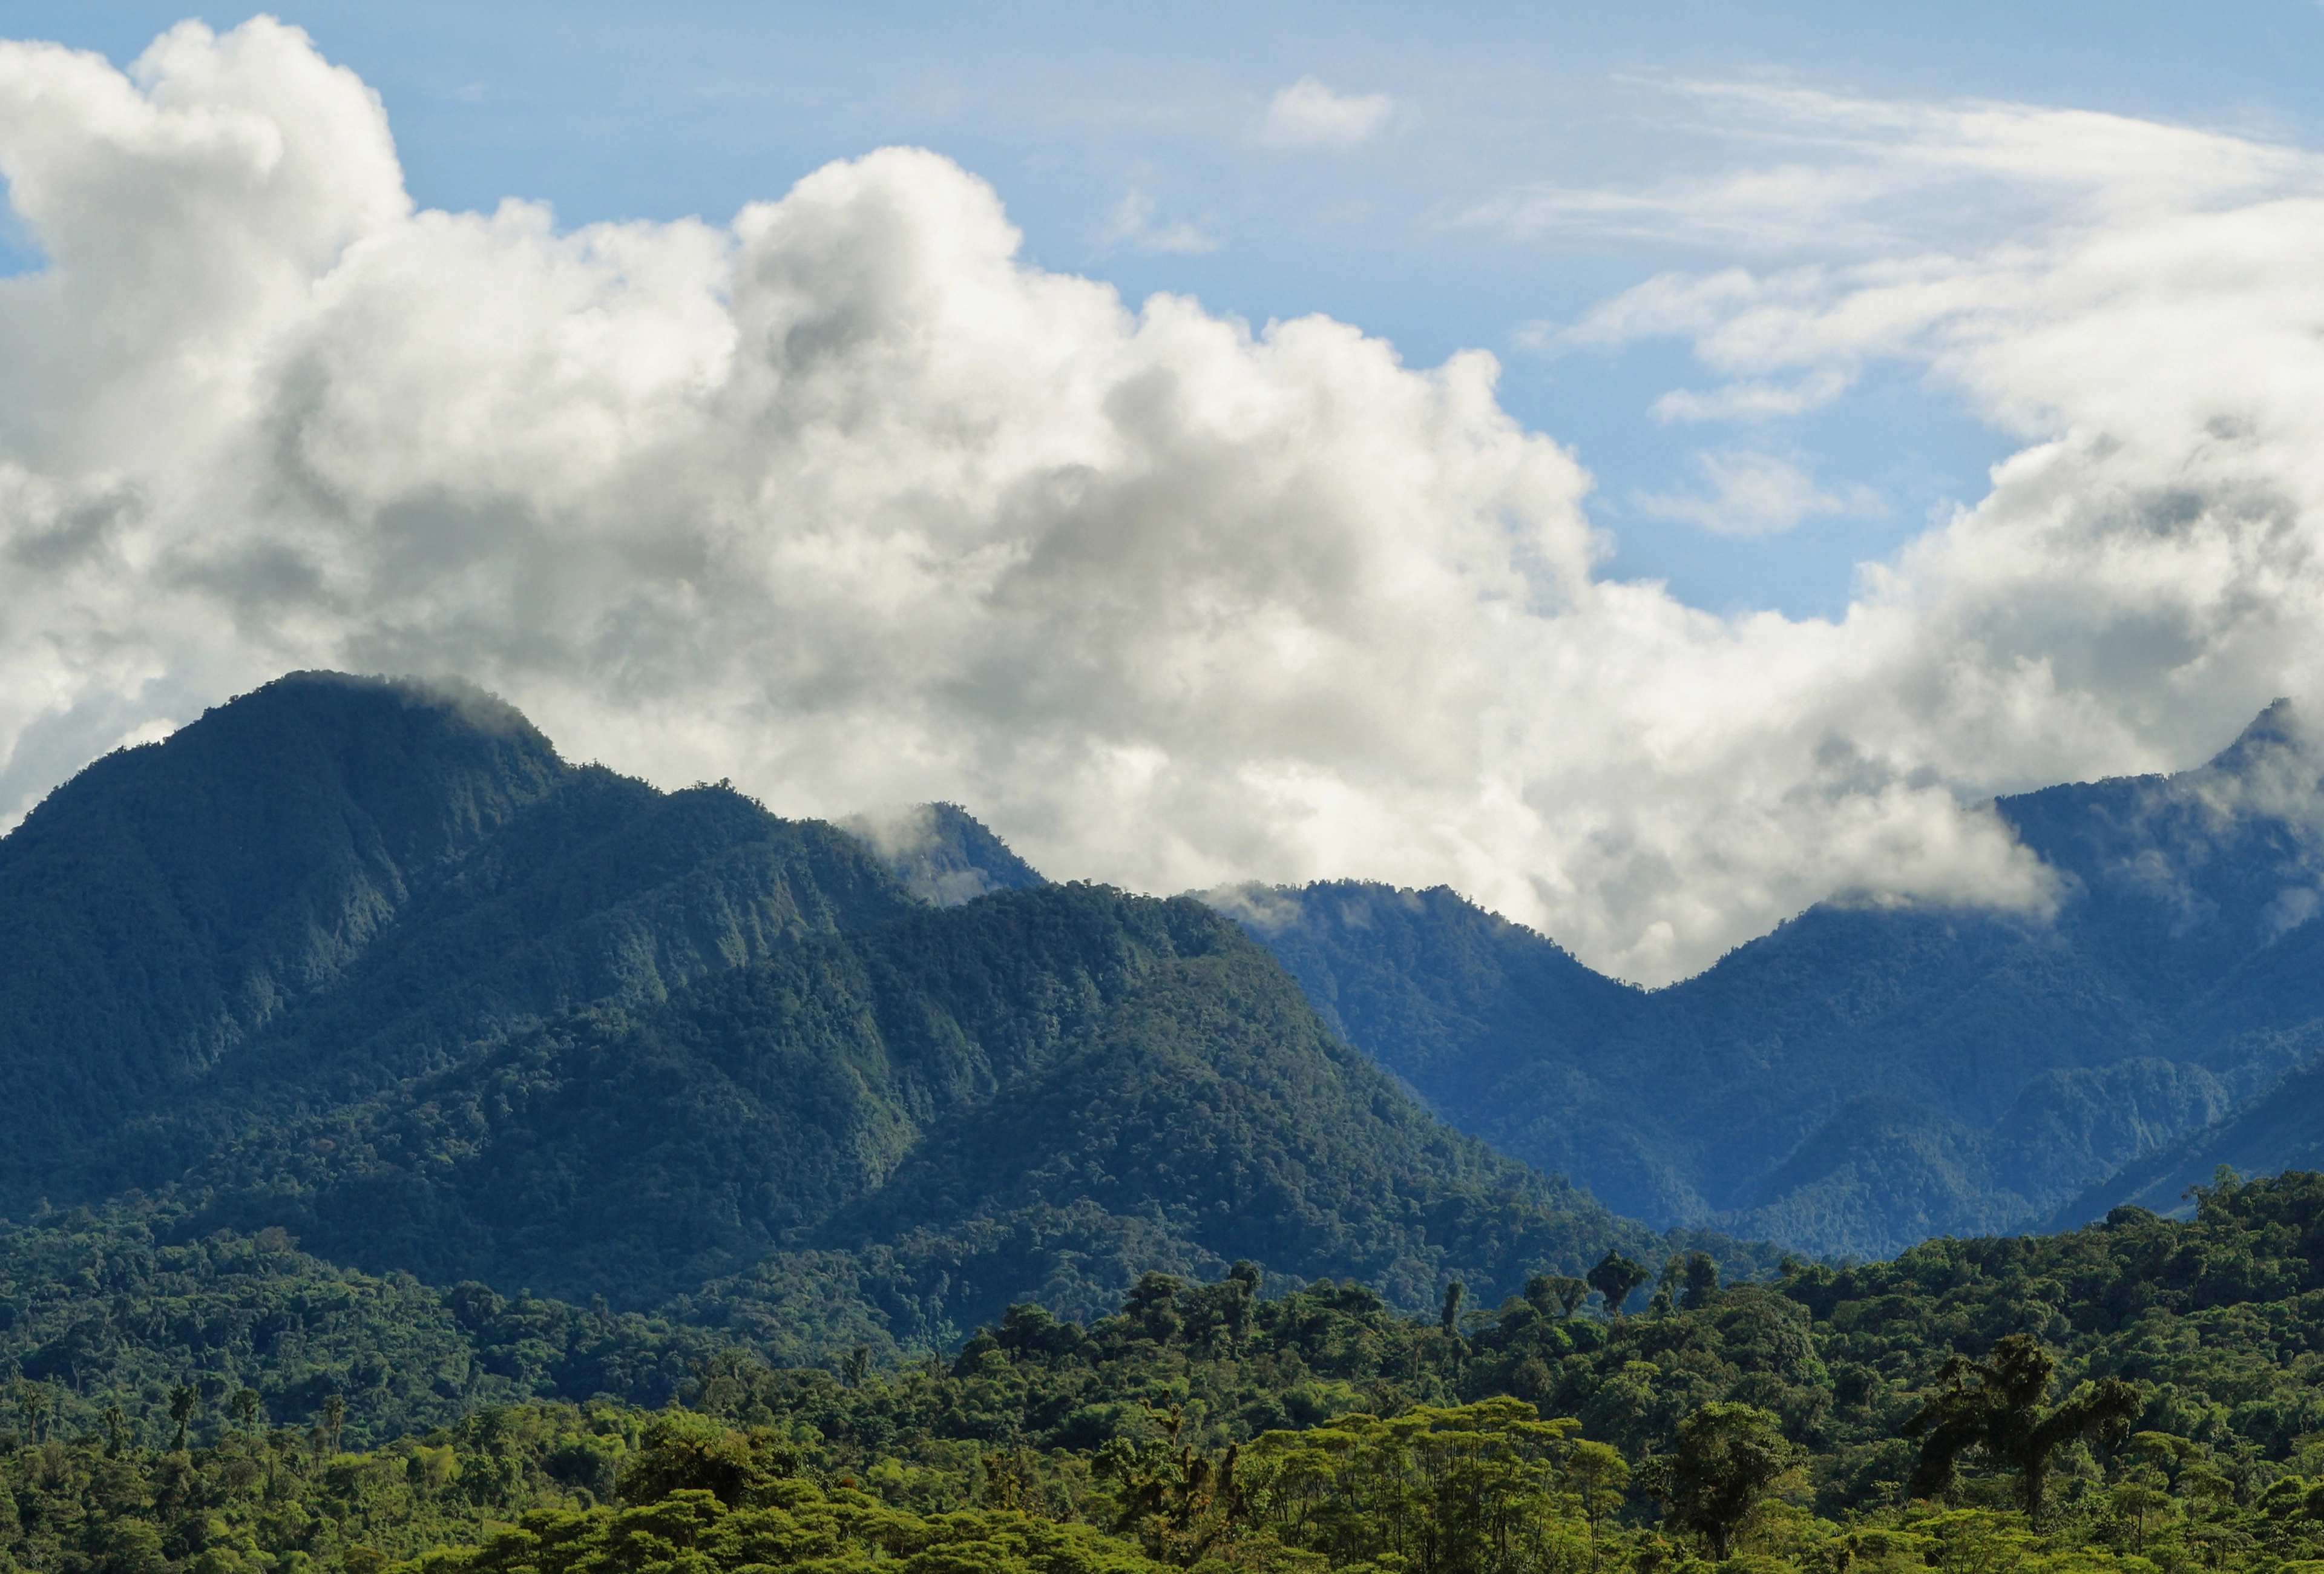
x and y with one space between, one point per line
2146 1381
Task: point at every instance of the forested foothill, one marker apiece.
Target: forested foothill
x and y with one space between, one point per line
2137 1394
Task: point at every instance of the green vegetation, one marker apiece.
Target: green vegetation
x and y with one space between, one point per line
1035 1096
121 1313
2134 1396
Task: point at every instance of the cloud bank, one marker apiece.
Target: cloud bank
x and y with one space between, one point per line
843 502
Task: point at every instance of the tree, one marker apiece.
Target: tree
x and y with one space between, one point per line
334 1415
1702 1281
1996 1405
1726 1459
1615 1277
1598 1473
184 1400
1555 1294
248 1406
1666 1287
1449 1319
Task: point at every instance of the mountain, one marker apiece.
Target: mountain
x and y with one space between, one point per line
333 884
1869 1076
2279 1129
1041 1093
941 852
365 962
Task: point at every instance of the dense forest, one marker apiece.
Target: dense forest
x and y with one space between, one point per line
2139 1394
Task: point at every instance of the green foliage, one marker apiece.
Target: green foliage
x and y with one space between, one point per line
1723 1463
285 1500
1038 1096
2135 1396
2000 1405
125 1311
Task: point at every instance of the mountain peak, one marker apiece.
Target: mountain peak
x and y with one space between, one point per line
941 852
2281 729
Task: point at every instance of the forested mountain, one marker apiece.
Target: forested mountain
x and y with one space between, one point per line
367 963
334 883
1866 1076
1040 1095
416 1111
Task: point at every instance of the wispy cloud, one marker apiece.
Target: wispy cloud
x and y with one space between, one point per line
1307 113
1755 398
1747 493
1829 175
1132 222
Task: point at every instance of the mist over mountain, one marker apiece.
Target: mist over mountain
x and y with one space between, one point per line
1867 1075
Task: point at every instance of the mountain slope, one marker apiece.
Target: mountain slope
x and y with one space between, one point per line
335 882
539 1025
170 900
1004 1094
1864 1077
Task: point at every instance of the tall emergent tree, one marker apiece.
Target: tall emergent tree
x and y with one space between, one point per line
1726 1459
184 1400
1996 1405
1615 1278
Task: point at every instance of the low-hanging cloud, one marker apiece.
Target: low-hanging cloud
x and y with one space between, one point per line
842 501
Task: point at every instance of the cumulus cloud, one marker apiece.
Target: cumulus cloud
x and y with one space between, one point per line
844 501
1307 113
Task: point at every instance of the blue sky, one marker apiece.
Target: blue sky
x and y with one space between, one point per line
1082 116
1939 388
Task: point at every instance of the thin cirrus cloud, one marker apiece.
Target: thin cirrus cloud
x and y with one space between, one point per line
845 501
1752 399
1307 115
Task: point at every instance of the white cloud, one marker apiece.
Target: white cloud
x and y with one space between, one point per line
1755 398
1754 494
1132 221
1307 113
844 501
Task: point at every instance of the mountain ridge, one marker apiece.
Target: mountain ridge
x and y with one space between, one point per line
2012 1063
797 1081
